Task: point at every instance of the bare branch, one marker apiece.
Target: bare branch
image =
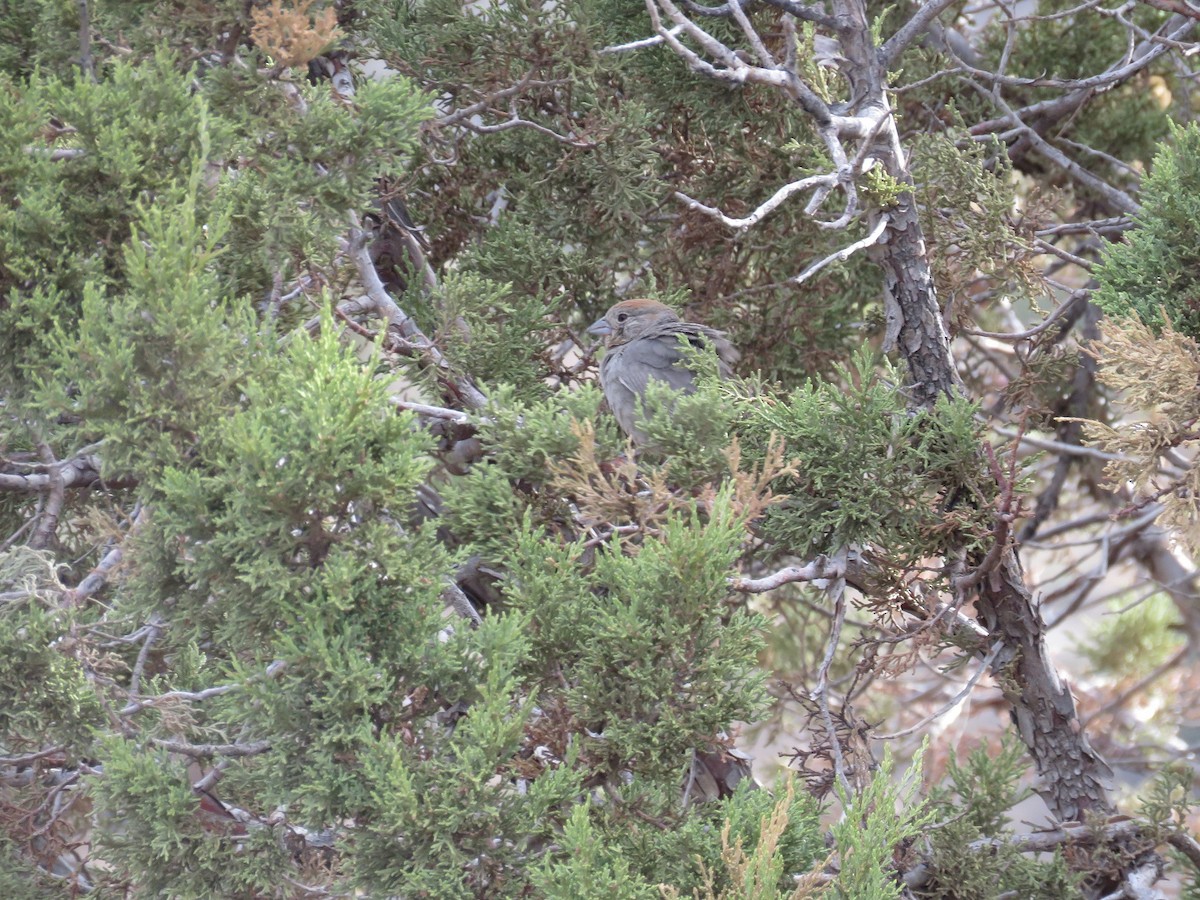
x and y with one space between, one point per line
515 121
808 13
434 412
48 518
154 628
1115 196
1055 109
911 30
397 318
458 116
846 252
177 696
756 42
1067 306
820 691
766 208
1179 7
199 751
733 71
27 759
817 570
1187 845
953 702
99 576
642 44
272 671
86 64
80 471
96 578
1042 443
455 597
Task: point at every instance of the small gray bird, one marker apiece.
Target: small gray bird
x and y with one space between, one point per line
643 343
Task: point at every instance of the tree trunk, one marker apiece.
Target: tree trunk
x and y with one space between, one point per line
1042 707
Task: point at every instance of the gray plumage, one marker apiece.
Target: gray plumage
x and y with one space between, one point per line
643 340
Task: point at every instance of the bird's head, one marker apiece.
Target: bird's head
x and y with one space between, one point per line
630 319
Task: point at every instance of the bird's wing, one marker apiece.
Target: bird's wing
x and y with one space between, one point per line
645 358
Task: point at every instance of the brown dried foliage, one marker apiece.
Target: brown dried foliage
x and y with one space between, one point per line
1157 376
620 491
291 36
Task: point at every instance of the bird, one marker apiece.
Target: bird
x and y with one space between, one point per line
642 337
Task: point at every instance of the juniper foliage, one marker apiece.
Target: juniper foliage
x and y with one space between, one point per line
230 645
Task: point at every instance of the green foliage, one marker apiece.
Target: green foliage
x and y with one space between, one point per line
489 329
277 510
651 660
302 161
150 365
1169 805
524 440
526 437
868 470
967 197
444 822
279 611
518 253
972 805
1130 641
753 843
485 510
151 816
1170 800
571 221
36 32
881 189
869 831
1156 271
57 705
64 223
589 869
689 433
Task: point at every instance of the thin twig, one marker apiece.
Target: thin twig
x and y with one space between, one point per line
1065 307
397 318
953 702
271 671
434 412
643 43
820 691
768 206
847 251
153 630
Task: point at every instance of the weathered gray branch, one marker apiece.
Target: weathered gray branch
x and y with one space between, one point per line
1042 705
398 319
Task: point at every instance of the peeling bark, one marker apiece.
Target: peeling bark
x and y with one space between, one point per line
1042 708
1073 774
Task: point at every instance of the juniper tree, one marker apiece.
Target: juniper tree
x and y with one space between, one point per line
325 571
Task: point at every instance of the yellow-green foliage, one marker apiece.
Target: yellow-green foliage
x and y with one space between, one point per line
1129 642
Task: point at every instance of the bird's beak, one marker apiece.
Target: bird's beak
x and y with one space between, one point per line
600 328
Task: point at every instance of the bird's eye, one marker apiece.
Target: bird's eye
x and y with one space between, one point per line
621 317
